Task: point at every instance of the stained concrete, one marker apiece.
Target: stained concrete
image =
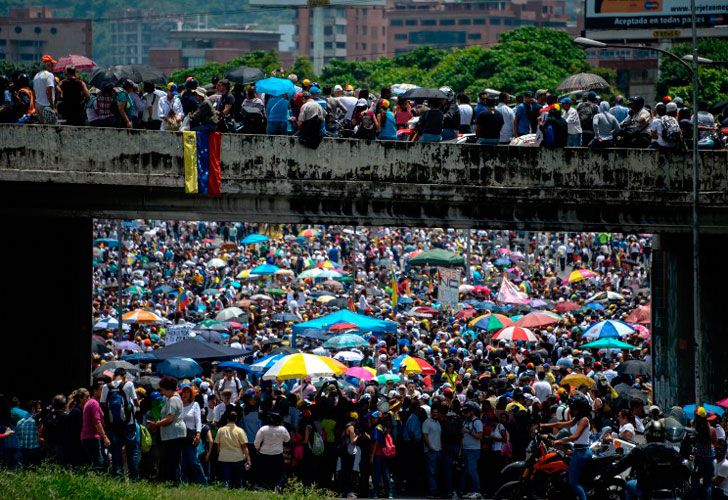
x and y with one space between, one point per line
134 173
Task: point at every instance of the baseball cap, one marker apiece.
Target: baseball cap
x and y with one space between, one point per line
671 106
338 88
541 92
47 59
566 100
591 95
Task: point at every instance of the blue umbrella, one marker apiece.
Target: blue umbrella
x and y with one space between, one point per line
404 300
234 365
594 306
275 86
502 262
163 289
690 410
107 242
254 238
140 357
264 269
608 329
179 367
263 365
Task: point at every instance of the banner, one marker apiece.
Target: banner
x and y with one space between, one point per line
448 286
652 14
202 162
176 333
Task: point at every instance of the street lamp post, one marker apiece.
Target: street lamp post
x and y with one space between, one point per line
685 61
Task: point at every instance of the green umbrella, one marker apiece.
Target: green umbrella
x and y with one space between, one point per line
345 279
135 290
437 257
609 343
385 377
274 291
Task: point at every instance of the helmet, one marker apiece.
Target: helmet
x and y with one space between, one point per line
448 92
674 431
655 431
579 405
22 80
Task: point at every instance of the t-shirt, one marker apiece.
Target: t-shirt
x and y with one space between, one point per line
41 81
431 428
92 415
277 109
128 391
506 133
177 429
490 124
348 103
269 439
230 438
476 426
542 389
627 428
524 125
466 114
721 470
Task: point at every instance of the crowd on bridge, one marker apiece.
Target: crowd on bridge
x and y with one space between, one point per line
344 358
287 106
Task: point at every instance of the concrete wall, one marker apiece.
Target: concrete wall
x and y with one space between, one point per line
274 179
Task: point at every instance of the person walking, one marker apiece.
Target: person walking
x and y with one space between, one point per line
120 403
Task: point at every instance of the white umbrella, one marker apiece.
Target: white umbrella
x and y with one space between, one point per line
110 323
349 356
260 296
216 263
320 351
605 297
229 313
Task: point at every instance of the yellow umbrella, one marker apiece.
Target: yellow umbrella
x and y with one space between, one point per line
141 316
243 274
325 299
577 380
301 365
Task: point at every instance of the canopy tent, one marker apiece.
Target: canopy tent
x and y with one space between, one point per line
197 349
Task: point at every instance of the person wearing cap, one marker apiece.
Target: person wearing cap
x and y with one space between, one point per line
169 109
587 110
44 87
384 122
573 124
204 118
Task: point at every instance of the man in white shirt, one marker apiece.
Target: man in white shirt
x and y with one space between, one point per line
151 119
542 388
466 113
44 87
431 439
571 116
720 480
230 382
506 133
347 101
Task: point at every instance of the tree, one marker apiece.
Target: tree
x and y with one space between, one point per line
303 68
676 80
266 61
459 68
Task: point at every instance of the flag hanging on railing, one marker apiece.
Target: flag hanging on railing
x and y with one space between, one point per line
202 162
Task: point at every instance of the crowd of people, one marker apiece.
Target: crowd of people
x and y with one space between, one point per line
443 431
314 111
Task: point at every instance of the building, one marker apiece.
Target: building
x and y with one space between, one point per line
442 23
135 31
188 48
637 70
29 32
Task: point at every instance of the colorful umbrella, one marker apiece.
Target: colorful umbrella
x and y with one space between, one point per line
327 264
538 319
412 365
309 233
568 306
264 364
609 343
345 341
491 322
360 372
344 326
141 316
580 275
515 333
642 330
690 410
386 377
254 238
610 328
423 312
303 365
179 367
577 380
723 403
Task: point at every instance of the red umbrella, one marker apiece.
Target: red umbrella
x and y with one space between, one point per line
466 314
538 320
641 316
564 307
343 327
79 62
481 289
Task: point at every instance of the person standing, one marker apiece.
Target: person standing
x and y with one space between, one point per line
191 466
604 127
152 98
466 113
44 87
73 453
472 433
93 434
232 447
173 430
587 110
384 121
619 110
572 122
53 430
269 441
431 439
489 124
119 400
75 94
126 112
509 117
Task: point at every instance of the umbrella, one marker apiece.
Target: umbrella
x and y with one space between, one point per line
538 320
325 299
234 365
386 377
210 336
465 314
514 333
179 367
254 238
264 270
275 87
502 262
264 364
413 365
582 81
437 257
244 74
344 326
605 296
564 307
286 317
642 315
642 330
628 392
634 367
229 313
577 380
594 306
260 296
423 312
135 290
141 316
349 356
327 264
216 263
302 365
140 357
610 328
719 106
107 242
98 345
113 365
309 233
723 403
690 410
214 292
466 288
608 343
540 304
333 285
360 372
109 323
77 61
127 346
345 341
424 93
580 275
401 88
491 322
135 72
164 290
195 348
148 381
405 301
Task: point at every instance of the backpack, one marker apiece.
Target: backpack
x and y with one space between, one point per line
253 120
145 439
586 111
318 445
670 130
549 137
452 431
119 407
389 449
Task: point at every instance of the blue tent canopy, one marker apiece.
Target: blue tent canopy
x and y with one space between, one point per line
365 323
264 269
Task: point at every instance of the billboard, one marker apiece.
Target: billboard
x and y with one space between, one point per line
653 14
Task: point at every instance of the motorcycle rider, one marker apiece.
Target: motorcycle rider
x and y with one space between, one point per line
656 464
579 428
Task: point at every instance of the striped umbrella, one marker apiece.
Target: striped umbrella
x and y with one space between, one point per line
491 322
610 328
538 319
304 365
141 316
412 365
580 275
348 356
75 60
309 233
327 264
515 333
264 364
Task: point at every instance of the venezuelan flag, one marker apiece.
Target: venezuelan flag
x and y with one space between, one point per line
202 162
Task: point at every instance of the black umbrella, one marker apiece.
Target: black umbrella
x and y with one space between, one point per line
98 345
244 74
113 365
135 72
628 392
719 106
634 367
424 93
198 349
148 381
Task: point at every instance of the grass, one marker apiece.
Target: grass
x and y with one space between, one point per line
49 482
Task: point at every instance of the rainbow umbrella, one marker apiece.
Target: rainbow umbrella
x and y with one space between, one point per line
580 275
412 365
538 319
491 322
327 264
304 365
309 233
515 333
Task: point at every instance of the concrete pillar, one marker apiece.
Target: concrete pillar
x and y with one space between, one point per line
47 282
672 310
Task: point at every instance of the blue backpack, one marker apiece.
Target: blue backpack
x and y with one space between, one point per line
549 138
118 405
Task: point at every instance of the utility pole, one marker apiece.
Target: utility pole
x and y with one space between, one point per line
120 277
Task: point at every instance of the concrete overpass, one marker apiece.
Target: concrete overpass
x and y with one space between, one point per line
53 180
